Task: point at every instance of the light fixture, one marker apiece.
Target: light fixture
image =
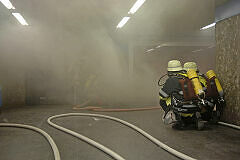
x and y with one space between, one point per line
212 46
208 26
20 18
123 22
161 45
198 50
7 4
136 6
150 50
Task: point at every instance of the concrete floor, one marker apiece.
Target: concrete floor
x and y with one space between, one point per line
214 143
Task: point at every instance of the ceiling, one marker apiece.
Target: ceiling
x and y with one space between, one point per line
171 17
220 2
156 18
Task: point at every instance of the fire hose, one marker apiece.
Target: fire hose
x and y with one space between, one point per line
229 125
100 109
106 150
43 133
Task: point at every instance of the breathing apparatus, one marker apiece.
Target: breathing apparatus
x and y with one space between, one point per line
211 75
169 74
192 75
159 81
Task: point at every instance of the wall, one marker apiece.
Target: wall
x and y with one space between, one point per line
53 67
228 65
12 72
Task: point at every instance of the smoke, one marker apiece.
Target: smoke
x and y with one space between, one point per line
69 54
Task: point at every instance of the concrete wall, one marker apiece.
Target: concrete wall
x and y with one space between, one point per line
228 65
13 91
12 74
47 67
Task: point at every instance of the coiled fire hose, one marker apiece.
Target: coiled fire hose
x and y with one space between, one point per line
43 133
106 150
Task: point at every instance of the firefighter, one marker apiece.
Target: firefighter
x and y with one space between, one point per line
211 110
171 88
206 111
216 94
179 100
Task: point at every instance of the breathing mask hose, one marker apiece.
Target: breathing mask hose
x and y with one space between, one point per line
159 84
211 74
192 75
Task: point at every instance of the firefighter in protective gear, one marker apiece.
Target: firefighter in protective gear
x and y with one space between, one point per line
215 93
178 98
207 112
171 87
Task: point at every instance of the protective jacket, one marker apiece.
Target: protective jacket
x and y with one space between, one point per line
171 87
179 91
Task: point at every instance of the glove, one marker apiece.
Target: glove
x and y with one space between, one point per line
221 101
220 104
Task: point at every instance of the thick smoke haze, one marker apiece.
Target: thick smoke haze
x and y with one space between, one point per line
69 54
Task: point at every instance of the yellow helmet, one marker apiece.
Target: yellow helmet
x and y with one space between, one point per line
174 66
190 65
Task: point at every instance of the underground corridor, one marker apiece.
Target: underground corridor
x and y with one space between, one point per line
121 80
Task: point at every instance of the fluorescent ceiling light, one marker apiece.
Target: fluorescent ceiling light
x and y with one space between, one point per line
161 45
136 6
150 50
123 22
7 4
212 46
208 26
198 50
20 18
